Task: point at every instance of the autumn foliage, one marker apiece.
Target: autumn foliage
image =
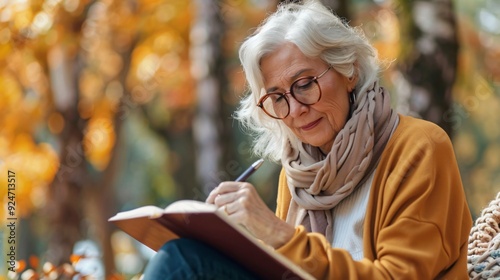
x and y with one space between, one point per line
73 72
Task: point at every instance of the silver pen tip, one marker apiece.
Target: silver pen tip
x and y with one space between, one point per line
257 164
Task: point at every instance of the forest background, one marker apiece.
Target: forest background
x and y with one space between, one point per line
107 105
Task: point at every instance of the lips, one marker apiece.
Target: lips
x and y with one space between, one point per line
311 125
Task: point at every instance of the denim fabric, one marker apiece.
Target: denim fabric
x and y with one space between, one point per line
189 259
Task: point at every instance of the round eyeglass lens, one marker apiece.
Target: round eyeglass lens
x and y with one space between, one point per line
276 105
306 91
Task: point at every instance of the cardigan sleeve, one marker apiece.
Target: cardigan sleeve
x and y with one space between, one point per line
283 197
417 221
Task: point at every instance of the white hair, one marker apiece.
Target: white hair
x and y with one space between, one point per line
317 32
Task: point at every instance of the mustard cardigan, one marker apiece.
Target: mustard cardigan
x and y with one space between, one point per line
417 219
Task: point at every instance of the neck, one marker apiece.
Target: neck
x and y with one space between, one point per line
322 152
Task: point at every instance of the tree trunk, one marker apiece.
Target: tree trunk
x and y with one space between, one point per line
207 68
77 195
101 196
339 7
429 67
64 210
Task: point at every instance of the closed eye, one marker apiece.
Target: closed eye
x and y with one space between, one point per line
303 84
277 97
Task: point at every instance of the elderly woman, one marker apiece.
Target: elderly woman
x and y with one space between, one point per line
364 193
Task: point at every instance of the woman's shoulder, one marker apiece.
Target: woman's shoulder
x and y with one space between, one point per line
417 142
414 135
411 130
409 124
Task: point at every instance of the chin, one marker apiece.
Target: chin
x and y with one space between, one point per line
325 146
319 145
320 141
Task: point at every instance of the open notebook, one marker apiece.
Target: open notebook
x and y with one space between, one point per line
153 226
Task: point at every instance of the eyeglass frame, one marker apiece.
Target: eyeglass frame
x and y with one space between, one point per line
314 79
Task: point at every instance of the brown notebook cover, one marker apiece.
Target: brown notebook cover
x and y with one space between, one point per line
154 226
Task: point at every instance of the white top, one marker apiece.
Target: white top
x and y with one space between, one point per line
348 219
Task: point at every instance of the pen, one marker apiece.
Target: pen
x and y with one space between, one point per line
243 177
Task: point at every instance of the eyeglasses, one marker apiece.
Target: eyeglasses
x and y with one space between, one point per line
305 90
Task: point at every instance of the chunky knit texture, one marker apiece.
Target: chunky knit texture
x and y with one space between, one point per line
318 184
483 257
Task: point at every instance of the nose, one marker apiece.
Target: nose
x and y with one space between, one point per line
296 108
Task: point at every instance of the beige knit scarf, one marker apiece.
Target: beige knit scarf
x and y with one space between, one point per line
318 184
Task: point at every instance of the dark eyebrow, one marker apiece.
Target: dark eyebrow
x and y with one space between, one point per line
293 78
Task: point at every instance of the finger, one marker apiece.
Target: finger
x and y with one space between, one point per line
211 197
229 208
228 187
222 188
222 199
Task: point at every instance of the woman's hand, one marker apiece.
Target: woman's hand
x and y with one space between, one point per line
243 205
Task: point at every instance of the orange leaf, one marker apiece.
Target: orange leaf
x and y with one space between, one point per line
68 269
48 268
75 258
21 265
115 276
34 261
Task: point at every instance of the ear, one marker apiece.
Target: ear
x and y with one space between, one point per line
351 83
353 80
